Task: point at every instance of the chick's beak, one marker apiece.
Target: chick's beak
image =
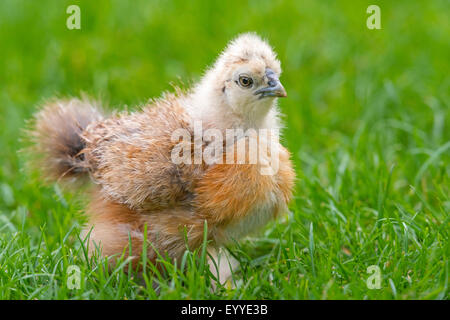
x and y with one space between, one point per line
274 88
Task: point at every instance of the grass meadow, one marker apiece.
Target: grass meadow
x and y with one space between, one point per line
367 122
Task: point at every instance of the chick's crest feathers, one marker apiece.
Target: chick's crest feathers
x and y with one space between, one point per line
246 47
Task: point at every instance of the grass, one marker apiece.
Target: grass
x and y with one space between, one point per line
366 119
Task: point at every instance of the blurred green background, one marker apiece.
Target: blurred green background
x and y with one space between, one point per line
366 121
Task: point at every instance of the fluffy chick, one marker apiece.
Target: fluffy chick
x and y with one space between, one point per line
135 181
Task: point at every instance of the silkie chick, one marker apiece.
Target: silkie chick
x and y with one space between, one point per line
129 158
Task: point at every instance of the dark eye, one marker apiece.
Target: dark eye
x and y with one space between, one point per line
245 81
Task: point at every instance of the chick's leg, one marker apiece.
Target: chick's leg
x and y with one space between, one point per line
222 265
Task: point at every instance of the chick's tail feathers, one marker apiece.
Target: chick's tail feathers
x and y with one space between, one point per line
56 136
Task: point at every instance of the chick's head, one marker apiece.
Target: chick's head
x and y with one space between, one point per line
247 74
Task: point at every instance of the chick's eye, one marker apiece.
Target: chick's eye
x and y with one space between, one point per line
245 81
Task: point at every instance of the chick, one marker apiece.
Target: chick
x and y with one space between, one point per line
138 186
